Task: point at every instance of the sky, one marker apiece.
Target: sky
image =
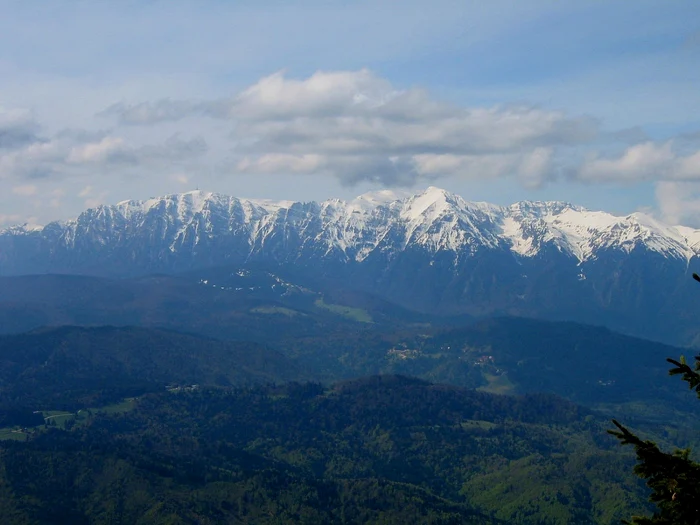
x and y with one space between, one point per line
592 102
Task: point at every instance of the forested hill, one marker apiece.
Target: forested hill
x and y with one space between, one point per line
376 450
139 425
72 367
587 364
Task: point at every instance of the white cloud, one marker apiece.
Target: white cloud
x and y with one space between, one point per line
535 167
351 125
679 202
645 161
90 198
180 178
639 162
26 190
164 110
56 197
87 190
69 154
96 151
9 219
688 167
281 162
323 94
34 160
357 126
17 127
96 200
474 166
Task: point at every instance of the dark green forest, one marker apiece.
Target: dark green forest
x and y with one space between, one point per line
383 449
495 421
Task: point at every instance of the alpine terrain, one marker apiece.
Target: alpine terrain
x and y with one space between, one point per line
431 252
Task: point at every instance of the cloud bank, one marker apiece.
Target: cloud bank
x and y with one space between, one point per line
351 125
17 128
355 127
24 155
358 127
645 161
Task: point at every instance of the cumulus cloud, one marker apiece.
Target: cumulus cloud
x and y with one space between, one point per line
645 161
180 178
26 190
278 162
679 202
535 167
165 110
87 190
96 200
9 219
56 196
356 126
66 154
323 94
272 97
115 151
91 199
17 128
95 151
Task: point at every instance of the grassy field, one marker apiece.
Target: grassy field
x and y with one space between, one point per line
478 424
276 310
13 434
124 406
356 314
498 384
60 418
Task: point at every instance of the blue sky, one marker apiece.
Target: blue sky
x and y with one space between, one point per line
593 102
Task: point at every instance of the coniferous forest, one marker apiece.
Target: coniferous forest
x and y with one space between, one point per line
141 425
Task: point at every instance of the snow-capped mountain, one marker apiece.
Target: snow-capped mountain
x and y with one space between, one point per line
432 251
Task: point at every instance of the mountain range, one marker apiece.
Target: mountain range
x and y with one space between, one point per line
142 347
431 252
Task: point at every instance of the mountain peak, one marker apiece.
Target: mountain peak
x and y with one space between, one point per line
437 194
380 197
374 199
432 203
188 203
544 207
430 251
381 221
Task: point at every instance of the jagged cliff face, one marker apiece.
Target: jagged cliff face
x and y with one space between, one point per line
433 251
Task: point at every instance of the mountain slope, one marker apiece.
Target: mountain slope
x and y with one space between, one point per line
75 367
590 365
226 303
431 252
188 224
375 450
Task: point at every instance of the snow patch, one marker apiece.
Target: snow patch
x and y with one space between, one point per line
376 222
